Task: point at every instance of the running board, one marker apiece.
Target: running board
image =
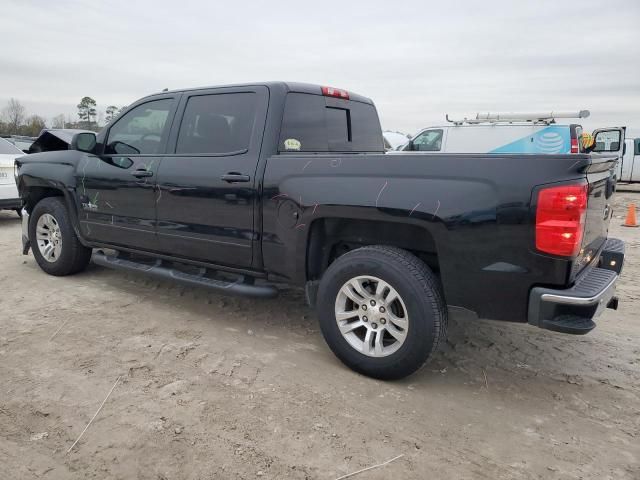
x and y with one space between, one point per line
238 287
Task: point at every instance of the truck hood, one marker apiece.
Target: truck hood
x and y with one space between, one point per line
62 157
54 140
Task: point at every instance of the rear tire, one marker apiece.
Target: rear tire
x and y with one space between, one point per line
397 332
55 245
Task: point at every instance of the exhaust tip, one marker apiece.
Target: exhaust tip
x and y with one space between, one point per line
613 303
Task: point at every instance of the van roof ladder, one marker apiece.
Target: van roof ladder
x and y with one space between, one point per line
528 117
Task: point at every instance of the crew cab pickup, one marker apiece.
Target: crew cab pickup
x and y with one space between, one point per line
243 188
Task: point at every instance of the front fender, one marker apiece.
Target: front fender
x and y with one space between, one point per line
49 174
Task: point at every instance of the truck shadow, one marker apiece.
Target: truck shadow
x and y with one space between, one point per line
501 351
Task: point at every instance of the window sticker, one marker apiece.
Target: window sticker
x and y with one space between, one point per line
292 144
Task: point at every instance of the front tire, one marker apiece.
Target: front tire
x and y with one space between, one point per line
55 245
381 311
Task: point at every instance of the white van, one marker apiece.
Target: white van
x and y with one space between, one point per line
9 198
630 165
514 133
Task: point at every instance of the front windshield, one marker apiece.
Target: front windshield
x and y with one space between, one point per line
8 148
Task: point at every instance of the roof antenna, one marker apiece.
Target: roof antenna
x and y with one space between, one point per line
165 89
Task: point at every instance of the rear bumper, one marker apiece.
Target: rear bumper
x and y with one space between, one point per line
572 310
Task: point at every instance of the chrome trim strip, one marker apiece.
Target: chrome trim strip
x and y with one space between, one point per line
101 224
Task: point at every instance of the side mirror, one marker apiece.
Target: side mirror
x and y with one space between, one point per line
624 148
83 142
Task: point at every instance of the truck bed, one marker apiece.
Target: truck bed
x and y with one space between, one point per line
473 212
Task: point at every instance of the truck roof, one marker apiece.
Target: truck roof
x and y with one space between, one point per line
297 87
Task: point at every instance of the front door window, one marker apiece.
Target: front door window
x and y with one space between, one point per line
140 131
429 141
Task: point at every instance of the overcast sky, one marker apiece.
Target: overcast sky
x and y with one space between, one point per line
417 59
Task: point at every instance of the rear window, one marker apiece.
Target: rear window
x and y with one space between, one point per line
314 123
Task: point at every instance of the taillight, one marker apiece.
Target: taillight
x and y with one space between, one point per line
574 146
560 218
335 92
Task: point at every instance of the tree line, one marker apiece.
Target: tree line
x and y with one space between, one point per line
14 119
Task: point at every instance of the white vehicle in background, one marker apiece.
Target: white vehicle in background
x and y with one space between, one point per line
536 132
21 141
630 165
394 140
9 198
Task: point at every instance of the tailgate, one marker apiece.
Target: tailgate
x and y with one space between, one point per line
602 183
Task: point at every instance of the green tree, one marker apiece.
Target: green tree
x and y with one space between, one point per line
87 110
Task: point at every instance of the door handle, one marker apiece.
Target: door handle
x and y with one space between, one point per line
140 173
234 177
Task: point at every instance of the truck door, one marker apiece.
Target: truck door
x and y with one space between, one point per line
611 140
116 188
207 183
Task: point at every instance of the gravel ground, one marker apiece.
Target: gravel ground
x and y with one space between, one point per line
219 387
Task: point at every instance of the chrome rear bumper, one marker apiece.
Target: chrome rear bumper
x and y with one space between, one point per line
572 310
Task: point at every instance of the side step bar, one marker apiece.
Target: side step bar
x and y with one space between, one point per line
238 287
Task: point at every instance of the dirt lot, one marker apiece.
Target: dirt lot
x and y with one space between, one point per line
221 387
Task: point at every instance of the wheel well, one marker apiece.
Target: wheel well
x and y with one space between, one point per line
331 237
36 194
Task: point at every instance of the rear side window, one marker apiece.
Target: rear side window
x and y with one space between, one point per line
219 123
314 123
636 146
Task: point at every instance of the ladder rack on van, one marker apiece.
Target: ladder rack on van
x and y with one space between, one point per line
536 117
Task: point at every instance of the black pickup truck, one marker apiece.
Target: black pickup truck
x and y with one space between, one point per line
243 188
